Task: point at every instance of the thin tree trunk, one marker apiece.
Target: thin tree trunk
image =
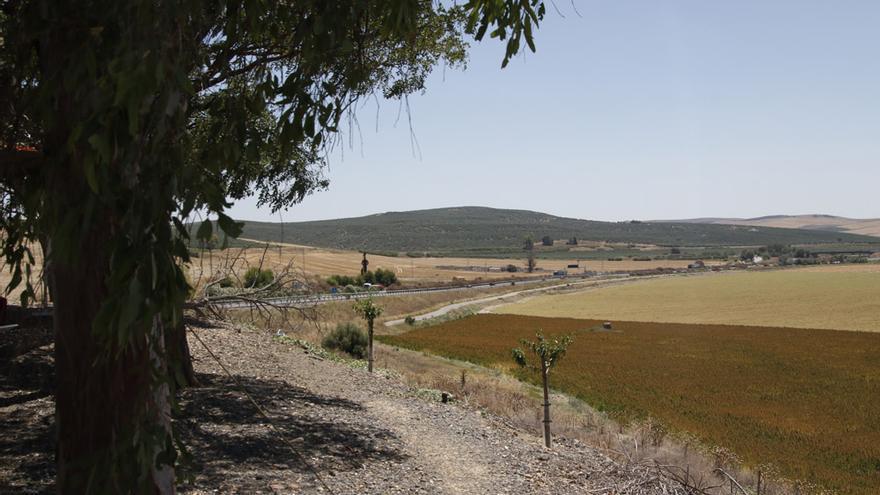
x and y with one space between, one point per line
546 405
370 346
179 357
46 248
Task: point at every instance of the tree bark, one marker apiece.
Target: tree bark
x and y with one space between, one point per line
48 286
112 409
544 379
179 357
103 395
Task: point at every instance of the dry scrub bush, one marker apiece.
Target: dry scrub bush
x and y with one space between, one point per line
347 338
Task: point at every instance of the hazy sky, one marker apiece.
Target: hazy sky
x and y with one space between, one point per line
636 110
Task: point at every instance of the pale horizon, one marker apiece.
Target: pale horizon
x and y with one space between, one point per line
286 217
641 110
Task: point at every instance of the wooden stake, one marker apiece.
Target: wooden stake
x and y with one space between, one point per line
546 405
370 346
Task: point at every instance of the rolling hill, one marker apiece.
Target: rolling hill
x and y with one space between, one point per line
448 230
831 223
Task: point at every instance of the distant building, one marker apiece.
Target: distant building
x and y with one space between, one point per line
697 264
757 259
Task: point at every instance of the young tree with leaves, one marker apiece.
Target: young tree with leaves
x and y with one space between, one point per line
121 119
369 311
548 352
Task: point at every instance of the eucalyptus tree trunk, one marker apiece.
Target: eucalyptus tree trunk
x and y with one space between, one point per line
544 372
103 395
112 407
112 414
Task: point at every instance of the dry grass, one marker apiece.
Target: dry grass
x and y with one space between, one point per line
831 297
804 401
870 226
325 262
312 323
6 277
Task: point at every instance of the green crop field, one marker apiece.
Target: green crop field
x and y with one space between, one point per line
805 401
832 297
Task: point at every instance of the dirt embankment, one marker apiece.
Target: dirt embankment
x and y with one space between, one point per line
327 427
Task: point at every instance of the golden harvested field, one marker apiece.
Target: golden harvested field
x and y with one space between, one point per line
326 262
804 401
6 276
867 226
831 297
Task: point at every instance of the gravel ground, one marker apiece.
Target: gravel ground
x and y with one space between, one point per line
327 428
363 433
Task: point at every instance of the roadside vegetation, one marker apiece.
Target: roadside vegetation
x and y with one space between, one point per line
800 403
380 276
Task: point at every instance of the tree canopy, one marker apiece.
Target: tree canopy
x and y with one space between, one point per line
120 119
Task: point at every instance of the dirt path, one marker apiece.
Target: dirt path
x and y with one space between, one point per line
458 470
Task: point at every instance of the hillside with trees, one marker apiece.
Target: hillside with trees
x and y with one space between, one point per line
446 230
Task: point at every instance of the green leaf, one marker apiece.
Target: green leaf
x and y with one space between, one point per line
16 279
131 308
100 144
528 33
205 231
181 228
229 226
89 171
256 104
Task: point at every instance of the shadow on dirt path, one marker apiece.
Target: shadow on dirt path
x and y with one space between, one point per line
27 407
233 446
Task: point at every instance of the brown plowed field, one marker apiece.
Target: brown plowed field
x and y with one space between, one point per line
805 401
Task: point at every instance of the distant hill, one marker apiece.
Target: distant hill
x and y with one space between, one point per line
830 223
446 230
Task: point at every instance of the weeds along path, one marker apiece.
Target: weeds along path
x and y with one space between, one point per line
364 433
